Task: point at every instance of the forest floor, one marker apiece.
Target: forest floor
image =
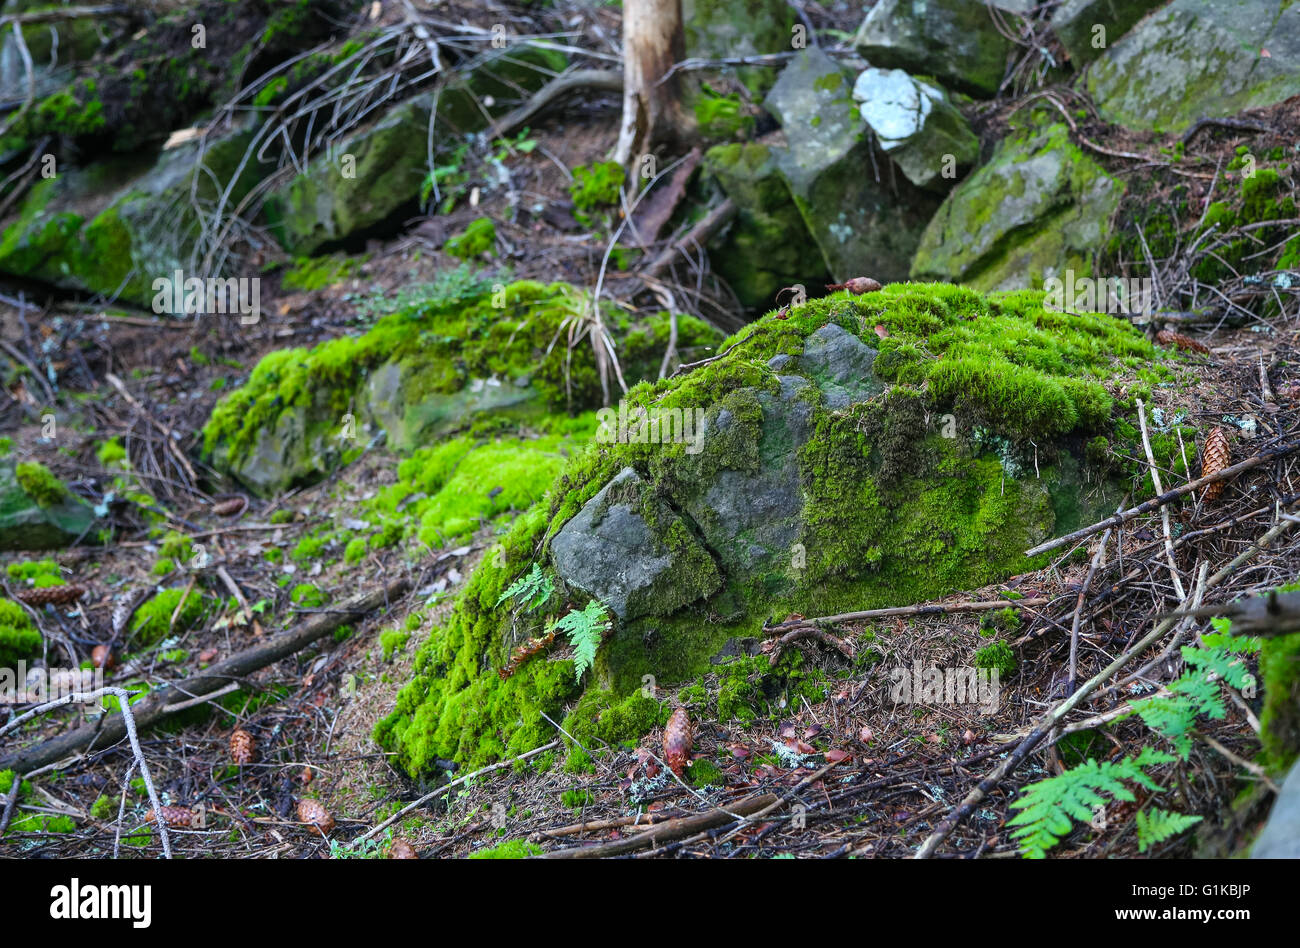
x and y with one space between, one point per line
857 776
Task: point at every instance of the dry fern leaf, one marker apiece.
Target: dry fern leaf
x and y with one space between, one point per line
242 747
1167 337
1214 459
677 741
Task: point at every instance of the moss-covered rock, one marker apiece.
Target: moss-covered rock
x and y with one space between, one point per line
956 40
721 29
767 247
435 367
1199 58
378 171
1039 206
861 224
823 482
1087 28
37 512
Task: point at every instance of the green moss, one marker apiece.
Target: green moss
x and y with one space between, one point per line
596 185
355 551
111 453
705 773
477 239
308 596
37 573
997 655
1279 670
39 484
510 849
393 641
19 638
316 273
163 567
153 620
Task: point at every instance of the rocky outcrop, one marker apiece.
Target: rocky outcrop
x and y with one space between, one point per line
957 41
1087 28
926 136
862 218
1199 58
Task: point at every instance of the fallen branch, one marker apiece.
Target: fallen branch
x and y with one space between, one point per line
669 830
699 235
778 646
921 609
562 86
1272 454
162 702
128 728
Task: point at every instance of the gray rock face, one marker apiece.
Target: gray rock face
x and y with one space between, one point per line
611 551
954 40
863 222
927 137
25 525
1280 838
1087 28
1199 58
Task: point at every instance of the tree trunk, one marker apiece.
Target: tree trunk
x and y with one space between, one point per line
652 111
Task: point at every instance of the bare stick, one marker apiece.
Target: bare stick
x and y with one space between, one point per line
1078 606
128 722
1271 454
1164 510
923 609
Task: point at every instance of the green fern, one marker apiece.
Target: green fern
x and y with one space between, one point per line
586 630
529 591
1159 825
1049 808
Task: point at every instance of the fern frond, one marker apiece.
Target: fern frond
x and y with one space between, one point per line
1050 808
586 630
529 591
1159 825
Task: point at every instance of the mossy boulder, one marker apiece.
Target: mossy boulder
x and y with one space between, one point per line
115 227
37 512
1087 28
1039 206
826 478
378 171
455 358
956 41
864 224
767 247
1199 58
926 136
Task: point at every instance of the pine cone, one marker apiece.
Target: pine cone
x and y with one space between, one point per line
857 285
1167 337
175 816
401 849
228 508
101 656
242 747
51 595
309 811
677 741
1214 458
